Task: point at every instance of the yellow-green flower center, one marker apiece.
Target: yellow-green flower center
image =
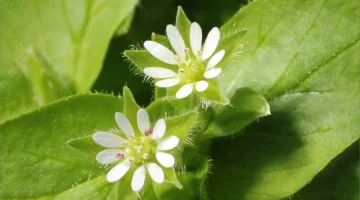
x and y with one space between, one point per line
141 149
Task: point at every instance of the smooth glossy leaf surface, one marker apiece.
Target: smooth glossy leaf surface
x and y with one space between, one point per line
303 56
36 160
338 181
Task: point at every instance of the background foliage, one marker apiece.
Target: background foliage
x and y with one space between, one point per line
302 56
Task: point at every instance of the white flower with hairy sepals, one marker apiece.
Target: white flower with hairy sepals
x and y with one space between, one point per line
141 152
193 67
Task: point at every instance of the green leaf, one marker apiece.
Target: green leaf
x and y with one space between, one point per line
308 71
338 181
58 46
15 103
34 149
245 107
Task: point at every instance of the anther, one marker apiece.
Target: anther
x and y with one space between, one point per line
187 50
131 159
177 58
193 67
146 156
199 53
148 132
119 156
132 135
124 144
181 71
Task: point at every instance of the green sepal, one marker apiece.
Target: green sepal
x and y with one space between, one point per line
245 107
183 24
143 59
232 46
130 110
161 39
159 108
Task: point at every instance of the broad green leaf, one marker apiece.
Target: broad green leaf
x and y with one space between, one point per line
338 181
303 56
245 107
36 160
58 46
14 103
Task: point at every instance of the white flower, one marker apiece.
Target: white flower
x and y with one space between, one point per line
193 68
135 151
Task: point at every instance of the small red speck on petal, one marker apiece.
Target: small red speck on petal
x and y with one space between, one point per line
119 155
148 132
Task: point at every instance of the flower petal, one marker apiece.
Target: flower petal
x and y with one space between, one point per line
165 159
159 72
168 143
184 91
195 37
159 129
160 52
212 73
138 179
108 156
109 140
156 173
211 43
167 82
118 171
201 86
215 59
124 124
143 120
176 40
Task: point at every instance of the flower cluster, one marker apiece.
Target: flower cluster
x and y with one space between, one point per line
194 67
141 152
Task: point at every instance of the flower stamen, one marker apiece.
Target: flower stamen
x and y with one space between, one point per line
146 156
177 58
193 67
148 132
132 159
119 156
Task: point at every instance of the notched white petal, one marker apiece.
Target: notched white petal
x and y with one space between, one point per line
143 120
165 159
108 156
215 59
159 72
212 73
176 40
118 171
168 143
138 179
159 129
156 173
184 91
211 43
195 37
160 52
109 140
167 82
123 123
201 86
